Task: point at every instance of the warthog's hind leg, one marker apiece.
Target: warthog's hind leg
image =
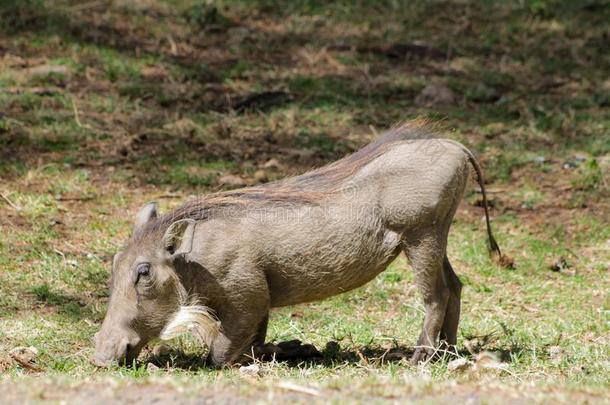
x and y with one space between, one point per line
259 339
452 315
426 254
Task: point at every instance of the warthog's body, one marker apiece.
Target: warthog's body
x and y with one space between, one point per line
240 253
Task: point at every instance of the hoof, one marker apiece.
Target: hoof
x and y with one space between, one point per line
421 355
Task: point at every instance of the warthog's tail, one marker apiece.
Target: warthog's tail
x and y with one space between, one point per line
493 245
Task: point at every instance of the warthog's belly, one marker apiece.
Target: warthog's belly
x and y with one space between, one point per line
322 270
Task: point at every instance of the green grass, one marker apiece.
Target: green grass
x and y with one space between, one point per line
144 112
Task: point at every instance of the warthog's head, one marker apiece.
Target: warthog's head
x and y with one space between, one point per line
147 298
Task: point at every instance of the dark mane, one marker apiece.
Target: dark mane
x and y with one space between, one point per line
309 188
326 178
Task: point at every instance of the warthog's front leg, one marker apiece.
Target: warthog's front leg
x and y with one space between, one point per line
243 313
238 337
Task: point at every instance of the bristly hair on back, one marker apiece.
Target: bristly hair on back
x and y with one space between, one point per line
311 187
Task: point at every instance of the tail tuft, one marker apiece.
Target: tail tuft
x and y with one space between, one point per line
497 257
505 261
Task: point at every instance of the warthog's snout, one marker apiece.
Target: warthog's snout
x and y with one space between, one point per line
122 350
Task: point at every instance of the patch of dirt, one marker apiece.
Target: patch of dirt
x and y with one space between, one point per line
277 391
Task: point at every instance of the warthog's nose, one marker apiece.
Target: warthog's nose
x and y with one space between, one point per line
122 352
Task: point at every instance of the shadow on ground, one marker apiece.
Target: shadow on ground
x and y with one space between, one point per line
332 355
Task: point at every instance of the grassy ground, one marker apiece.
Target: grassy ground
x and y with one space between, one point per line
104 107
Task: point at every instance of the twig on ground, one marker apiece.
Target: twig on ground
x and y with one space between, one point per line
173 49
41 91
85 198
374 131
298 388
89 5
170 196
76 116
492 190
9 202
59 252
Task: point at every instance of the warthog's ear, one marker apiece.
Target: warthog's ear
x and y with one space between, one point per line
146 213
178 238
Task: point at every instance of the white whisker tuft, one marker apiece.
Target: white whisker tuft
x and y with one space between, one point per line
196 319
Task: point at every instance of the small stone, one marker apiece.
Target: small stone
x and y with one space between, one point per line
539 159
488 360
580 158
460 364
25 353
72 263
25 356
556 354
151 367
55 221
253 370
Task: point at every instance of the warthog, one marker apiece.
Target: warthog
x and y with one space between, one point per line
218 264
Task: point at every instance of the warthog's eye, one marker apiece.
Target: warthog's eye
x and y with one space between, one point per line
142 271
